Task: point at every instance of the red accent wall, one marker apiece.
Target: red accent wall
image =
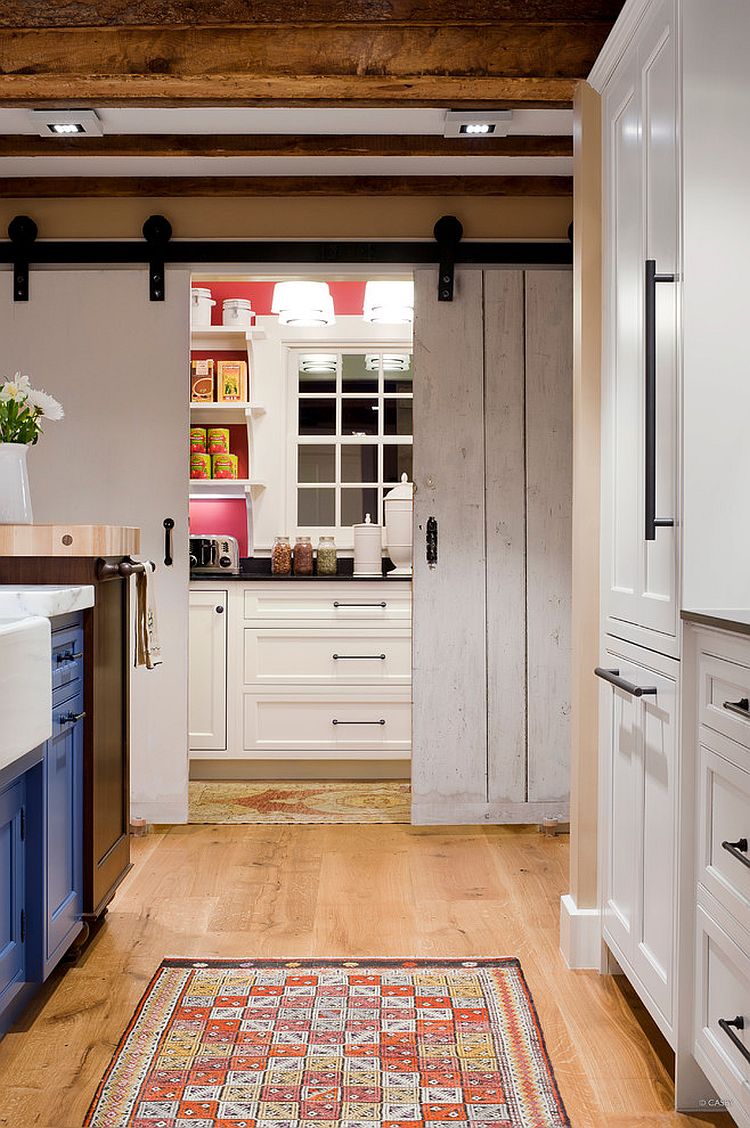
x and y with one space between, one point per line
348 297
226 516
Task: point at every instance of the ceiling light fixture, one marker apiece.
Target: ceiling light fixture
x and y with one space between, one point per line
477 123
389 303
392 362
66 123
306 305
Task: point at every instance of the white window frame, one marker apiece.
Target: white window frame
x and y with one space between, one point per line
343 533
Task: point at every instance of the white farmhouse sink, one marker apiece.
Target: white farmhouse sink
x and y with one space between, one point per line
25 687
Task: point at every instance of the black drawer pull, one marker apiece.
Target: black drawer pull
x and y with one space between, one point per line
652 521
337 604
742 707
358 657
738 1023
738 850
336 722
613 677
69 656
71 718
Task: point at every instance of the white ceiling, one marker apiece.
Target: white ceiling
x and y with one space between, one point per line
207 120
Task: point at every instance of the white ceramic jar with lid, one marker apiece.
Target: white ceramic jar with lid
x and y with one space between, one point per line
398 505
237 313
368 548
201 304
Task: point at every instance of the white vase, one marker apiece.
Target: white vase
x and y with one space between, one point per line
15 496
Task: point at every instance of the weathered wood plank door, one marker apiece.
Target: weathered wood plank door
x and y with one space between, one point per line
492 465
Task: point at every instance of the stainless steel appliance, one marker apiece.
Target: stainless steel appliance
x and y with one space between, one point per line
214 556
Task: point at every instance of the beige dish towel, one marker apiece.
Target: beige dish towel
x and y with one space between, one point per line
147 648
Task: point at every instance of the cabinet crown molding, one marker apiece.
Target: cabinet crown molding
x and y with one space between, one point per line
617 42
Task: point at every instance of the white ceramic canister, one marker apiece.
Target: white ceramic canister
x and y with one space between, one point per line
237 313
398 505
201 304
368 548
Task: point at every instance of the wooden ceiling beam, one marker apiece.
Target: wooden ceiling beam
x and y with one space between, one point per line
456 65
159 13
283 145
46 187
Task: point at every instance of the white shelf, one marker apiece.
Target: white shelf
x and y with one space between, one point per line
216 333
240 411
224 487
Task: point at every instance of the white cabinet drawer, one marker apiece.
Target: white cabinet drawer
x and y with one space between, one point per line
297 601
724 688
724 814
326 657
722 992
337 724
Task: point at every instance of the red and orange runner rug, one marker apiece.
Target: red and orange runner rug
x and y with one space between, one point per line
332 1044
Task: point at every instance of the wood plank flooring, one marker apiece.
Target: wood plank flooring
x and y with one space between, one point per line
340 891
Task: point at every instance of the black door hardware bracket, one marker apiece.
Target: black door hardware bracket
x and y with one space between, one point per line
22 231
157 231
447 231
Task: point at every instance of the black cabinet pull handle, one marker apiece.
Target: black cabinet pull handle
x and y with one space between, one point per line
69 656
358 657
729 1025
337 603
337 722
431 543
613 677
71 718
168 527
738 850
652 521
742 707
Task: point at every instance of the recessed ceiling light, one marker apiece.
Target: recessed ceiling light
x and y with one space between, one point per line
66 123
477 123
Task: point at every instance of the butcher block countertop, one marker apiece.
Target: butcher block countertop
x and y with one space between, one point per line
69 540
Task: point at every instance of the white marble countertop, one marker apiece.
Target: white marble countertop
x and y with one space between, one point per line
19 600
25 687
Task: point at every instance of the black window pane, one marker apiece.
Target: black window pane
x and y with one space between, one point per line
316 463
397 460
359 463
395 377
398 417
317 417
356 504
359 417
355 376
316 507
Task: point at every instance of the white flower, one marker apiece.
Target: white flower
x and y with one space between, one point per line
48 406
16 389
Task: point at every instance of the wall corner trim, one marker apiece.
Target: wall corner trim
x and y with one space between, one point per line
580 935
616 43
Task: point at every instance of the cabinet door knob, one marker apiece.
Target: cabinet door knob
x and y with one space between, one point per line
219 610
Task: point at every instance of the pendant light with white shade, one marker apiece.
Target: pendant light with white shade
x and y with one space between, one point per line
389 302
392 362
305 304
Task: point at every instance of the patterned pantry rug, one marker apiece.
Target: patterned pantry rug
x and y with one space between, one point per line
332 1044
303 801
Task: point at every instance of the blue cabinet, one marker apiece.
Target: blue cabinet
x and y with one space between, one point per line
63 800
12 892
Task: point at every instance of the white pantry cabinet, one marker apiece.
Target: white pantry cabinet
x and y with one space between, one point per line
640 372
639 720
208 669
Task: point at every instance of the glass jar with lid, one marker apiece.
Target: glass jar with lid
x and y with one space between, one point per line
281 557
303 556
327 557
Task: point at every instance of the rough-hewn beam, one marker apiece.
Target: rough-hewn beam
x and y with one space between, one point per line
161 186
282 145
101 13
511 61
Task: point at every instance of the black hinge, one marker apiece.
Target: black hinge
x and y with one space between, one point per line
23 823
23 926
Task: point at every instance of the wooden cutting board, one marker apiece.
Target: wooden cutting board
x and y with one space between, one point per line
69 540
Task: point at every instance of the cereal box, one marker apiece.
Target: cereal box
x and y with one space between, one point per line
202 381
231 381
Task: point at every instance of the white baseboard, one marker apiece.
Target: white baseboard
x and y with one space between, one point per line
580 934
168 811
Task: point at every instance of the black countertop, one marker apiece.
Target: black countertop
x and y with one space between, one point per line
735 619
259 568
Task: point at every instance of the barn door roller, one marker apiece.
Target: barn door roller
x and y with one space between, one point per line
448 231
22 231
157 231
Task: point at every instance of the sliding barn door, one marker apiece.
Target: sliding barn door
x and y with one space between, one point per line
492 466
119 364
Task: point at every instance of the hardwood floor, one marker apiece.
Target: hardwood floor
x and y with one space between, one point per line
340 891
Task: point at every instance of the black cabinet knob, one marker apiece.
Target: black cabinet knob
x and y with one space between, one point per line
219 610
